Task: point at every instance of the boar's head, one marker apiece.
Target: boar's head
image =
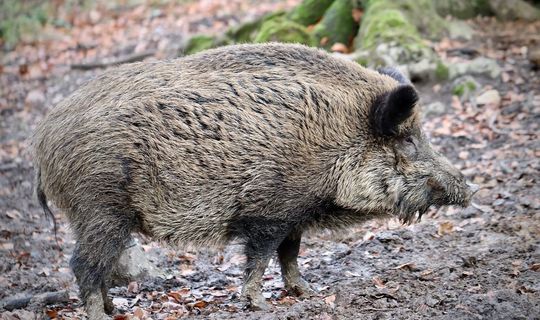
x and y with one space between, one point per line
393 168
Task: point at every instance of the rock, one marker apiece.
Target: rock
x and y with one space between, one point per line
534 56
428 69
458 29
133 266
491 97
514 9
436 108
478 66
422 70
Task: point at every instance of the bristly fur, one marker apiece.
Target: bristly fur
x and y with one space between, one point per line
250 142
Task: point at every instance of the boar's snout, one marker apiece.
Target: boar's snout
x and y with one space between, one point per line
449 186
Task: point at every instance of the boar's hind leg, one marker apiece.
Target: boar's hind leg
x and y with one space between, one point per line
288 254
101 238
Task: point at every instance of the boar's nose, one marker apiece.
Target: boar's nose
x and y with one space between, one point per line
473 187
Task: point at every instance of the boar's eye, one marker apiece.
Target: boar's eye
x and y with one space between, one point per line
407 146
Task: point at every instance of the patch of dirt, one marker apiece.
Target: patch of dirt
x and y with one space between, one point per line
482 262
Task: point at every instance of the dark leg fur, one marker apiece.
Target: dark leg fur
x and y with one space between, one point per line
288 255
100 241
260 246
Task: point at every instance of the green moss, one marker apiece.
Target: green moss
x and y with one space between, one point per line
463 88
459 90
441 71
282 30
200 43
309 11
337 25
19 19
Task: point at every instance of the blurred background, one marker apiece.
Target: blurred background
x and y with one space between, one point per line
476 64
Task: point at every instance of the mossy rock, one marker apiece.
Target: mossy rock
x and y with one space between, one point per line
247 32
337 25
22 20
309 12
282 30
200 43
390 38
389 25
419 13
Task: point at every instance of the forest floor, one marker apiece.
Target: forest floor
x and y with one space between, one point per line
482 262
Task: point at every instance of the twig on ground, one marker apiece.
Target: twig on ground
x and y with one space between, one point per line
127 59
41 299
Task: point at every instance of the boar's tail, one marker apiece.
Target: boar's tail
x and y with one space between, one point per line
42 198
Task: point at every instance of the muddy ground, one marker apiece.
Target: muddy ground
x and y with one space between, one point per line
482 262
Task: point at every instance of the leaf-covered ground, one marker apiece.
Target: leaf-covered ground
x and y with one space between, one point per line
482 262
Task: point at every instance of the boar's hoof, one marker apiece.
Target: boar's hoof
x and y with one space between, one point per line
255 302
300 288
108 306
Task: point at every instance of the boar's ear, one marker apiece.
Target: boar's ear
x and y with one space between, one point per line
392 108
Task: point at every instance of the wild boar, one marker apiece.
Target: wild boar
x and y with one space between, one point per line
252 142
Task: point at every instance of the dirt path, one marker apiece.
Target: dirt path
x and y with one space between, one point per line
479 263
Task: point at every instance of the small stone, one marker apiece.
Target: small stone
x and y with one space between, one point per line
35 98
422 70
478 66
436 108
460 30
491 97
534 56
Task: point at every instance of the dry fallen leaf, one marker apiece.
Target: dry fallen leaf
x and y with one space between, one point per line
330 300
378 282
51 313
133 287
357 14
324 41
409 266
200 304
339 47
138 312
445 227
535 267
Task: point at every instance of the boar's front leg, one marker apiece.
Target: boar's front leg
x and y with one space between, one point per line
263 237
288 255
255 266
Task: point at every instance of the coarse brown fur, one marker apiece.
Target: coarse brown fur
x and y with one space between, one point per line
257 142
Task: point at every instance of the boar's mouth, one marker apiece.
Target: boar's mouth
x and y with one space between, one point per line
409 211
411 204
